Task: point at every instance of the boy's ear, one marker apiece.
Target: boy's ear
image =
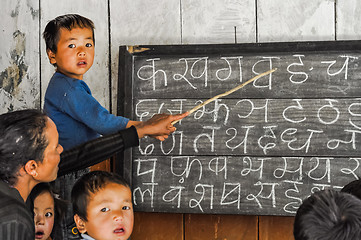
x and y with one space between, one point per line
31 168
80 223
51 56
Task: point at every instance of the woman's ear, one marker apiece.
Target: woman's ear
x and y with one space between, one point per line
80 223
51 56
31 168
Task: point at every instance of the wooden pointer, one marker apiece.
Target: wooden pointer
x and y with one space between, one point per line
227 93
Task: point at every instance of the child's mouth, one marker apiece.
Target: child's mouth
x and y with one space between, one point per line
39 235
82 63
119 230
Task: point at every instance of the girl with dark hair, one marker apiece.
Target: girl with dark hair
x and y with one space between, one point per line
48 211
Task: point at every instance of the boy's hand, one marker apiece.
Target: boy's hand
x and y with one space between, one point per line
159 126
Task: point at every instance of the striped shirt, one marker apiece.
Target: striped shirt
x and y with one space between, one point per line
16 221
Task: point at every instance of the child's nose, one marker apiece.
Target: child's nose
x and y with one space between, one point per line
81 53
39 220
118 216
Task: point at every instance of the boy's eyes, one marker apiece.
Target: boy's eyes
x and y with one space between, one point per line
125 208
86 45
48 214
104 209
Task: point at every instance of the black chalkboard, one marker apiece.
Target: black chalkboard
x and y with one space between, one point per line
260 150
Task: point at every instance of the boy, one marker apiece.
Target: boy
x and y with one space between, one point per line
353 188
328 215
102 205
68 100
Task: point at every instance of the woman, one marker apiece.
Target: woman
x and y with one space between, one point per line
30 154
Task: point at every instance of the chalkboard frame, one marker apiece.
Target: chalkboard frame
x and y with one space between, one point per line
125 98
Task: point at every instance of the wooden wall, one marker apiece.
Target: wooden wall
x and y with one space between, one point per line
25 70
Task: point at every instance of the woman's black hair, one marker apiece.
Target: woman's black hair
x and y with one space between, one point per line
22 138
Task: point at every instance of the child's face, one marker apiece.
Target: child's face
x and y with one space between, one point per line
43 215
75 52
110 213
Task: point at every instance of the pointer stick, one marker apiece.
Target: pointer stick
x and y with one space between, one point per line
228 92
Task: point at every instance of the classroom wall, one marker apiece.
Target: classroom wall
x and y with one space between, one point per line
25 70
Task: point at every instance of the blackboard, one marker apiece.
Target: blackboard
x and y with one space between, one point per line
260 150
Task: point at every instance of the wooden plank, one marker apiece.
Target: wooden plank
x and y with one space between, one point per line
275 228
259 127
348 21
19 59
102 166
234 185
157 226
326 74
235 227
280 20
219 21
141 22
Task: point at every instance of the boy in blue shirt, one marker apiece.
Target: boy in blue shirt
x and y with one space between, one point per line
68 100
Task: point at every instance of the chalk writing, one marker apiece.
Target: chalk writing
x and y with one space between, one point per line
259 150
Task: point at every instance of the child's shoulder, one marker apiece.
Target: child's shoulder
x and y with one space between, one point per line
61 81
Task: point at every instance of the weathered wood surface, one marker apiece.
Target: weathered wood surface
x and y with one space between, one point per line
19 56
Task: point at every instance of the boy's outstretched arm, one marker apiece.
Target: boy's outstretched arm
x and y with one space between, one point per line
159 126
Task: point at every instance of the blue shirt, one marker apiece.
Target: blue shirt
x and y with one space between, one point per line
78 116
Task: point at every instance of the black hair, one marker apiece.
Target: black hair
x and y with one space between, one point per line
328 215
51 33
60 205
22 138
353 188
88 184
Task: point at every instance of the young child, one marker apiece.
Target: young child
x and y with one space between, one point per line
48 210
102 206
328 215
353 188
68 100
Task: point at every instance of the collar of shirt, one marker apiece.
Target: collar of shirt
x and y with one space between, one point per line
86 237
12 192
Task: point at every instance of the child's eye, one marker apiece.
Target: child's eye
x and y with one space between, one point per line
104 209
88 45
125 208
48 214
71 45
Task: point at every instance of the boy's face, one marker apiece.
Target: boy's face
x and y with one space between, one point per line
109 213
43 215
75 52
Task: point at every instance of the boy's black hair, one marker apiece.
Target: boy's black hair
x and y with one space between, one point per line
88 184
22 138
328 215
60 205
68 21
353 188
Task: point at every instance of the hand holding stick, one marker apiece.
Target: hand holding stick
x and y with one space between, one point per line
228 92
